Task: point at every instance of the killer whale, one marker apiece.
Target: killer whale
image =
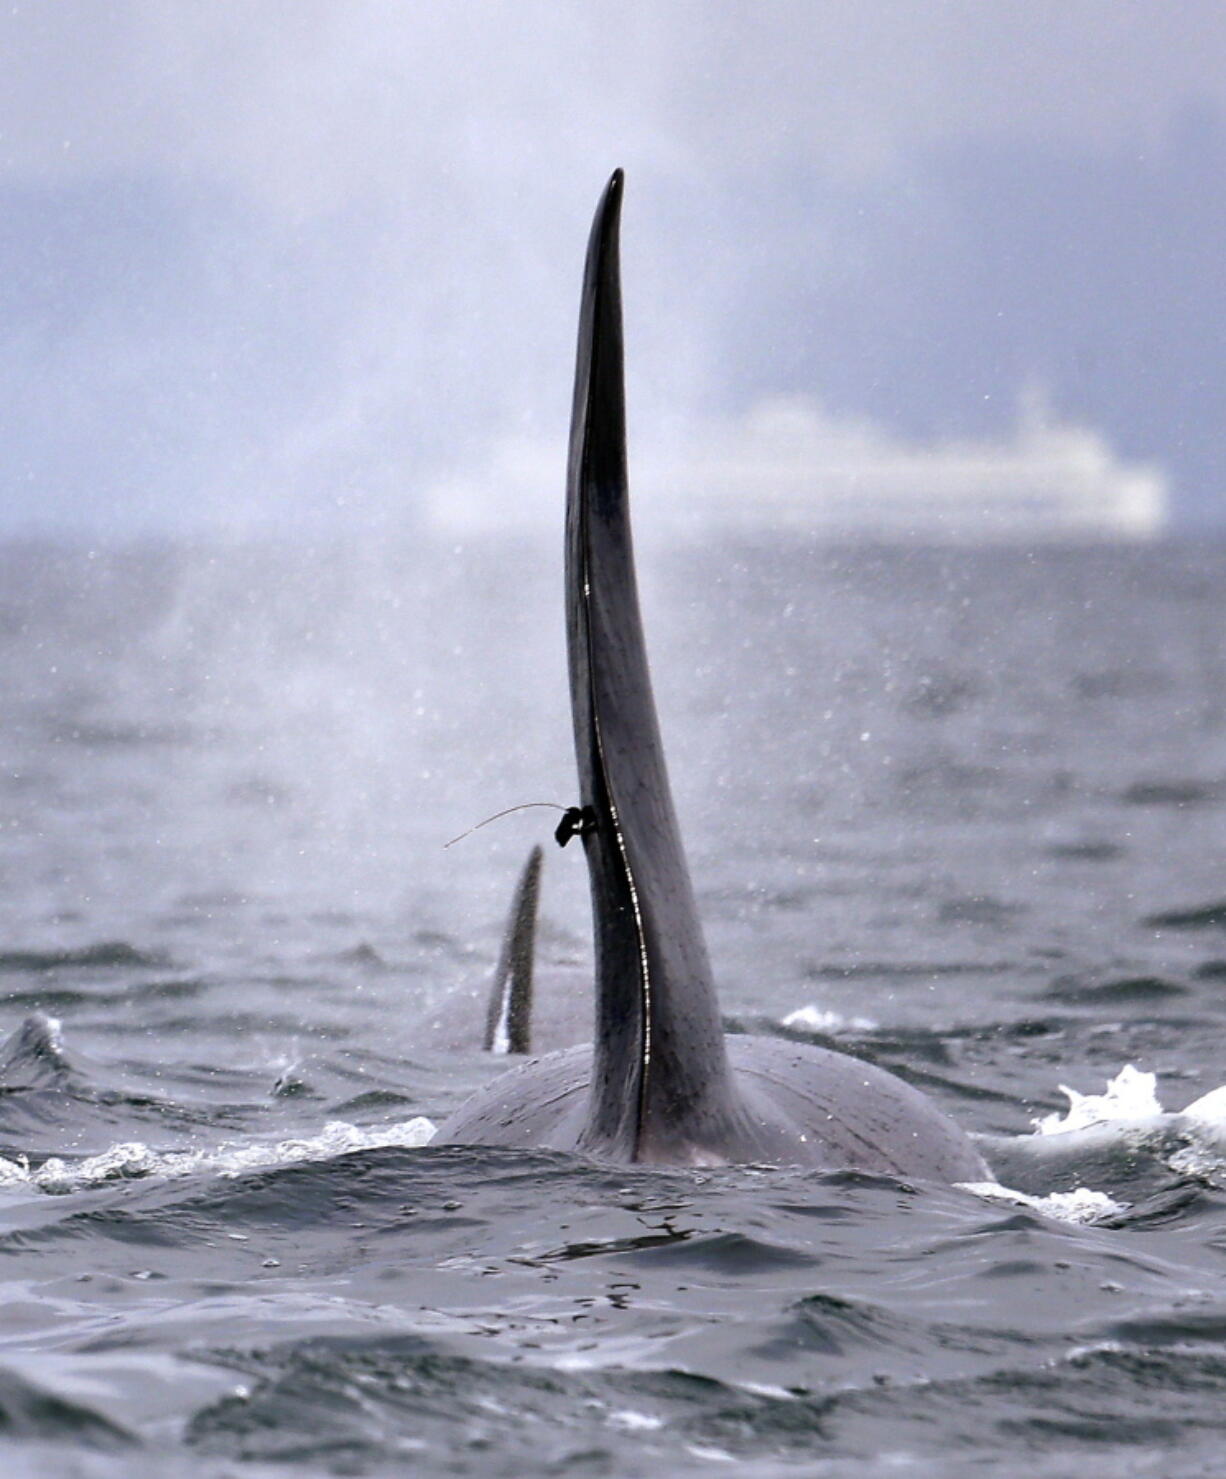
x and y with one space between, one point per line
660 1083
508 1015
528 1005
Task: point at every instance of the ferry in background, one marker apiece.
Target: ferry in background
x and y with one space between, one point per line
788 464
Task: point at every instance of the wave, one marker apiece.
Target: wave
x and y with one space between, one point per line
28 1412
1200 917
1122 1138
136 1160
33 1057
105 955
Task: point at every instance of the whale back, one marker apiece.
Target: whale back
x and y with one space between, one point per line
803 1106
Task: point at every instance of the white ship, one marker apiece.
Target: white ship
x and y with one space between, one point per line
789 465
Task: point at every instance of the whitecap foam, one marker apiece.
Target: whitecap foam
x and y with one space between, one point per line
1131 1102
14 1173
634 1422
134 1160
813 1018
1131 1095
1079 1205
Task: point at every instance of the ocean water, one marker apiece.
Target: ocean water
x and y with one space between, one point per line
961 811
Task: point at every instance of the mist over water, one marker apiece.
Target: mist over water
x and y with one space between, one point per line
963 805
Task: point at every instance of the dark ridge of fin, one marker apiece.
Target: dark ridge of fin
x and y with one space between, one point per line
660 1074
508 1020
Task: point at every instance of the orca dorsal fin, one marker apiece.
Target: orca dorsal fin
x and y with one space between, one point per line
508 1018
660 1074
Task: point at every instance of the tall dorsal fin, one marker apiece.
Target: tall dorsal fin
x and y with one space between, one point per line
660 1072
508 1018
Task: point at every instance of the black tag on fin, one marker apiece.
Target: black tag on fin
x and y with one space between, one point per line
577 821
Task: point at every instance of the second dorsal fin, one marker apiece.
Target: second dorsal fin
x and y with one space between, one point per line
508 1019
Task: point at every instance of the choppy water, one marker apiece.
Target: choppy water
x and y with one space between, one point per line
965 807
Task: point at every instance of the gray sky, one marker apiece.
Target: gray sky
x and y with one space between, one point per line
283 262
